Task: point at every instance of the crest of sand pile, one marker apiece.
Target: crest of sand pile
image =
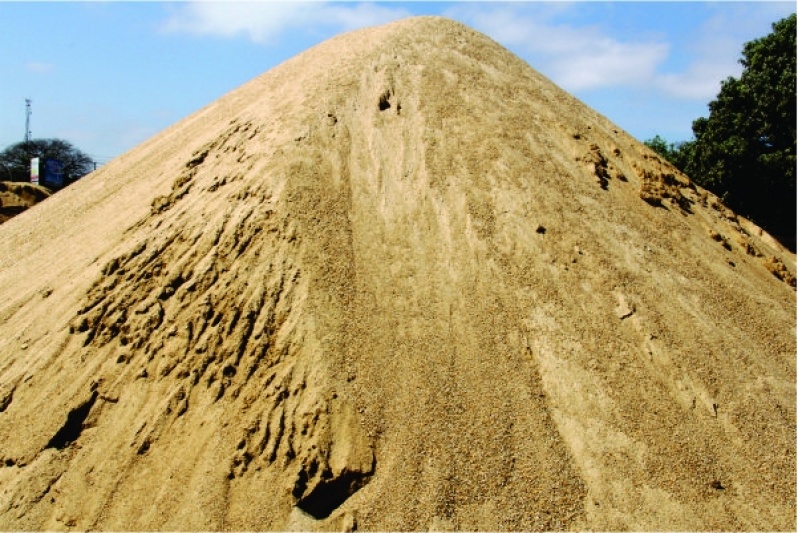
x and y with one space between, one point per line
401 281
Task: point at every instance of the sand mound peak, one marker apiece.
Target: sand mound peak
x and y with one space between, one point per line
401 281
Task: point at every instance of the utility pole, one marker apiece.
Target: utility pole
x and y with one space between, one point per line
28 154
27 120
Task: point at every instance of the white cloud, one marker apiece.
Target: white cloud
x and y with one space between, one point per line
576 54
264 22
717 47
596 61
37 67
715 50
349 17
585 56
700 81
576 58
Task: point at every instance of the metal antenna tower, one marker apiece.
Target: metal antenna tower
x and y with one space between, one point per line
27 119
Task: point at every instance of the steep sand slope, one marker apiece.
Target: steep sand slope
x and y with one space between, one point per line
401 281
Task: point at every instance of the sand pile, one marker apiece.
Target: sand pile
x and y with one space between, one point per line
401 281
16 197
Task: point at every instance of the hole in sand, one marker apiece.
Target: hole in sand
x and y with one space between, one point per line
329 494
73 426
385 101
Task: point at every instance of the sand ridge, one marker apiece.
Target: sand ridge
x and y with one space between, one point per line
401 281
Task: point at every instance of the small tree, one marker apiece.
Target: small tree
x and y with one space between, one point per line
16 159
673 152
660 145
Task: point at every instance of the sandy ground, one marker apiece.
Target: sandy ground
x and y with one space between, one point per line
401 281
16 197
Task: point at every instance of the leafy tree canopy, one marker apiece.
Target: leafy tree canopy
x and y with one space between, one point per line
15 160
745 151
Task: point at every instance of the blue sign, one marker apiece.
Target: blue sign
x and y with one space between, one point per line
53 173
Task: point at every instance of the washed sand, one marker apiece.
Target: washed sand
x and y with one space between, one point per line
401 281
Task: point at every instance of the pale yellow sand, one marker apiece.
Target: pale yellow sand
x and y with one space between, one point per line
401 281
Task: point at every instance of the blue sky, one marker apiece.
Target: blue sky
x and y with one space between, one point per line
108 75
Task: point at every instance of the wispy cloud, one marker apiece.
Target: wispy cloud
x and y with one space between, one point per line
582 56
716 49
38 67
576 52
264 22
575 57
699 81
594 60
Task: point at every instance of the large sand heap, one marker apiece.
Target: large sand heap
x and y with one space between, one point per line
401 281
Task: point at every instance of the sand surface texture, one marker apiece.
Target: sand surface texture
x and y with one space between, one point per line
401 281
16 197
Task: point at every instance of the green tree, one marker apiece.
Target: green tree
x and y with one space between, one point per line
745 151
661 146
15 160
677 153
